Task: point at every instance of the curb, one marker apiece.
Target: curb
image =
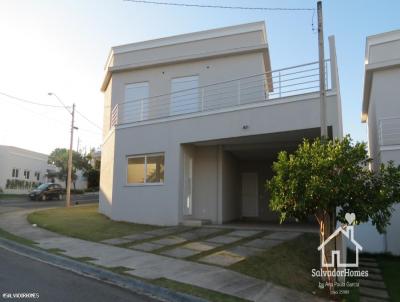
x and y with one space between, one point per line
98 273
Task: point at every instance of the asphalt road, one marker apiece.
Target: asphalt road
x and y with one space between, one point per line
10 205
19 274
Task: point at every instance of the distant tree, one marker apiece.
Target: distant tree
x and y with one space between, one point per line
325 175
59 158
93 177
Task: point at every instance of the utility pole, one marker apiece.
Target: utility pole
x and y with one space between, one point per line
324 130
69 174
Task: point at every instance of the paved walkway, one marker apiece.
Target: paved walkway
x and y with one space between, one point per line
372 289
151 266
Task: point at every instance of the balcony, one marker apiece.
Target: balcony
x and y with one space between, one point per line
227 95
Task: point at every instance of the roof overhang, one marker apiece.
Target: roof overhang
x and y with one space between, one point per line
371 67
186 38
369 70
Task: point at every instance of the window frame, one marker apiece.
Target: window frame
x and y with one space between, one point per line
179 78
144 112
144 170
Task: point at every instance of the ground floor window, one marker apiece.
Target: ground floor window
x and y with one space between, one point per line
146 169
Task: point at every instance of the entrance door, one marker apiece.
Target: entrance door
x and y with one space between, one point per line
188 184
249 195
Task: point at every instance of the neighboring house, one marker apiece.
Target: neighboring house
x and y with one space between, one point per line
336 254
95 160
192 124
21 170
381 110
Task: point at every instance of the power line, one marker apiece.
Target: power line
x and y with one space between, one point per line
222 6
42 114
56 122
94 124
28 102
61 102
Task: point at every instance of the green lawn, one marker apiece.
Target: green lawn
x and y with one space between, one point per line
9 236
84 222
390 266
13 196
288 264
206 294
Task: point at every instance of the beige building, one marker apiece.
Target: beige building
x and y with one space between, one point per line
192 124
381 111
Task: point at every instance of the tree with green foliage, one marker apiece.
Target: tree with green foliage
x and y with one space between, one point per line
325 175
59 158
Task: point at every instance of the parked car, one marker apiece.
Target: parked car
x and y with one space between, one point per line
46 192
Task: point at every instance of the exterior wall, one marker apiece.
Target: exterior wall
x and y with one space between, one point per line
159 78
108 106
12 157
107 175
373 140
384 51
381 91
215 56
204 46
205 183
158 204
231 184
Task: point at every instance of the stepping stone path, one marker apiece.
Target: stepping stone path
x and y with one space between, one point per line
190 249
223 258
372 288
171 240
146 247
116 241
250 248
145 235
178 252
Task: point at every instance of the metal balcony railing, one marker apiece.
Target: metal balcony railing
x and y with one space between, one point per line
228 94
389 131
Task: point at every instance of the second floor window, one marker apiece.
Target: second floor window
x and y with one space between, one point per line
185 96
136 102
15 173
26 174
37 176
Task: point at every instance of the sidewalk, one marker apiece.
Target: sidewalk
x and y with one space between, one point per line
151 266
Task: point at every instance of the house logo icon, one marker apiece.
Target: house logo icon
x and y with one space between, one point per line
348 231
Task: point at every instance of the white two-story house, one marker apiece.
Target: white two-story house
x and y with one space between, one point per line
192 124
381 112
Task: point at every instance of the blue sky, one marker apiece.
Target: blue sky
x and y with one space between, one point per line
61 46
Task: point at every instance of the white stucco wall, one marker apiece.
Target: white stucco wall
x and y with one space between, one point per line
159 204
162 203
383 85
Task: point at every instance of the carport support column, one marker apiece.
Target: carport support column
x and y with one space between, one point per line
220 157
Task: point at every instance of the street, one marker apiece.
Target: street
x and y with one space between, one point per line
10 205
23 275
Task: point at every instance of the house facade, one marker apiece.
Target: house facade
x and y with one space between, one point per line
192 124
22 170
381 112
